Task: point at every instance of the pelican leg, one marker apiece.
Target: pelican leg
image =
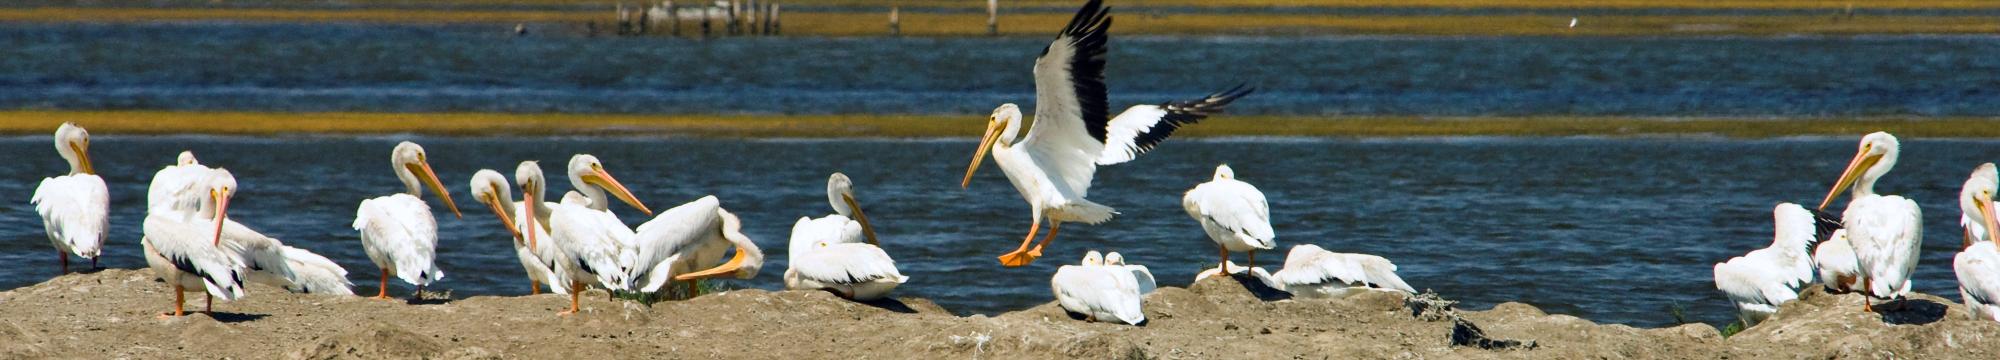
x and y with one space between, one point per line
179 297
65 261
1224 265
574 294
1867 295
419 294
1054 226
383 293
1253 258
93 263
208 305
694 288
534 287
1020 256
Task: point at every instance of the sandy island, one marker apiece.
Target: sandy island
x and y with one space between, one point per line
113 314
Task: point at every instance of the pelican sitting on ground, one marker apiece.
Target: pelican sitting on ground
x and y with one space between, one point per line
75 208
683 240
186 249
1978 266
839 253
1233 213
398 231
1094 290
1760 281
530 243
596 247
1141 276
1838 269
1885 231
1312 272
1052 167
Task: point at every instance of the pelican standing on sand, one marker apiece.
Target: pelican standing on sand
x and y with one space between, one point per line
1760 281
1096 291
1978 266
1052 167
398 231
1884 231
839 252
1233 213
75 208
187 252
530 243
596 247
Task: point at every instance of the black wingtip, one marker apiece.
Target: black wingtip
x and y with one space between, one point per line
1093 17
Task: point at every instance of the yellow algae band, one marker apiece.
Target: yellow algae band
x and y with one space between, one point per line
931 126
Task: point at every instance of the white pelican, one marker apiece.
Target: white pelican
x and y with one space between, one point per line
1838 269
839 254
744 264
1978 266
398 231
186 249
596 247
1312 272
490 188
171 185
74 207
1141 276
1233 213
1073 133
1091 289
1760 281
1885 231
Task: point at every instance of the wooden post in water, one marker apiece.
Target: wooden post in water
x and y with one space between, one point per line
777 28
750 17
623 24
731 21
992 17
895 22
706 27
673 17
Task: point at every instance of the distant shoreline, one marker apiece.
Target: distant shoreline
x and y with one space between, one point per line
1131 22
30 122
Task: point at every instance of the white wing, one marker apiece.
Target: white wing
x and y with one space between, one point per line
1886 233
1071 112
1978 269
1234 207
1094 291
315 274
1142 127
592 243
1309 265
1143 277
171 187
262 255
846 264
400 234
191 250
74 211
1755 284
675 234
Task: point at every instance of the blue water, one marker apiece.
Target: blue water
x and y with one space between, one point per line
357 67
1618 236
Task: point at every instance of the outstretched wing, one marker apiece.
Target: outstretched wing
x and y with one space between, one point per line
677 231
1071 113
1142 127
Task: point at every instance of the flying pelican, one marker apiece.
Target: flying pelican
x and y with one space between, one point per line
1838 269
491 188
1091 289
1142 277
183 249
1073 134
1885 231
1978 266
1760 281
74 207
397 231
830 253
596 247
1233 213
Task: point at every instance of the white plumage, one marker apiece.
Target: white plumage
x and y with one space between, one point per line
838 252
1142 278
1885 231
530 238
1233 213
1096 291
1834 258
75 208
1312 272
1760 281
398 231
186 248
679 241
1052 167
1978 266
172 187
596 247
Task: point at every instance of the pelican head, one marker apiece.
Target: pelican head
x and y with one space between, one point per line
414 168
1224 172
1001 127
588 175
1092 258
221 187
533 186
1976 200
1876 156
73 143
186 158
1114 259
749 259
840 193
490 188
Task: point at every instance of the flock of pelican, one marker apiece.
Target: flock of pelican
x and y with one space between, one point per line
1870 249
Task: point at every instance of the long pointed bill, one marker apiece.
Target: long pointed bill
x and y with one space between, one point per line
727 269
866 229
985 144
430 179
221 213
1986 211
528 216
83 158
1862 161
494 202
610 184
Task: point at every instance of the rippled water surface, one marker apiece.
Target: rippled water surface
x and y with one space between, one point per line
1611 230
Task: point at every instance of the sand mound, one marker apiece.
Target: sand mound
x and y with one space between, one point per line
113 314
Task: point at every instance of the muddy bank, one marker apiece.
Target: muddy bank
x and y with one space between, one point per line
113 313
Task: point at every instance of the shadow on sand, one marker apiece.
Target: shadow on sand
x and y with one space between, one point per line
891 304
1911 311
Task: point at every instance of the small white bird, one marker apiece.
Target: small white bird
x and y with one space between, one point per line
1233 213
1978 266
1572 23
839 253
186 251
75 208
1312 272
1095 291
1885 231
1141 276
1838 269
398 231
490 188
1760 281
